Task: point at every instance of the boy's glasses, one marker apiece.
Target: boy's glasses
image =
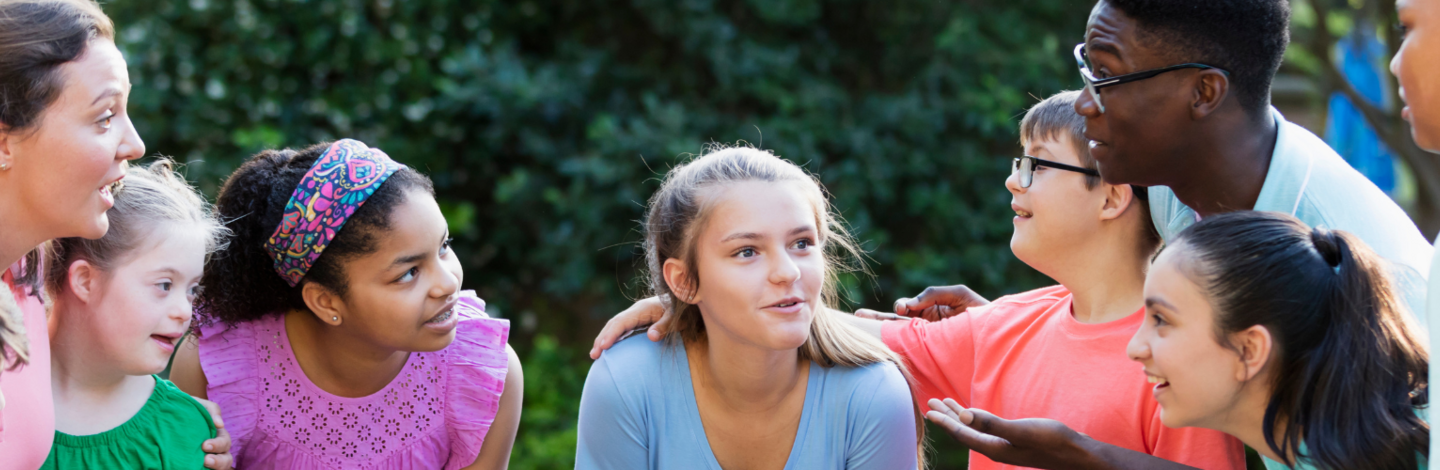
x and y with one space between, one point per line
1093 85
1024 168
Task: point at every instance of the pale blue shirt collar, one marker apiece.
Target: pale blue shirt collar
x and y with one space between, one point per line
1308 180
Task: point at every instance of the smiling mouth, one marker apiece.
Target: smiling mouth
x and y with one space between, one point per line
1160 382
1024 213
443 316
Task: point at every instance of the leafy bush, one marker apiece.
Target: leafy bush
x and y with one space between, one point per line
545 125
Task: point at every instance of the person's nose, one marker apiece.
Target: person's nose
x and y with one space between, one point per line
131 145
1012 183
1139 347
447 286
784 270
1085 105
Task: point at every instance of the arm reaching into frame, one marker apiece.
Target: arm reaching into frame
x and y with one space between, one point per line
1036 442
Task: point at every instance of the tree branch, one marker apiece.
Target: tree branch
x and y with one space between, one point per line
1388 125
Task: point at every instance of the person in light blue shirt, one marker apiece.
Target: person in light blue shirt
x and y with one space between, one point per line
1419 75
1178 99
1308 180
639 411
756 371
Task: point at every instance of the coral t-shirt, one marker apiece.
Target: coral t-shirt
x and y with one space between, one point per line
1025 356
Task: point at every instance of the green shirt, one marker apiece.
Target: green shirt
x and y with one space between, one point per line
165 434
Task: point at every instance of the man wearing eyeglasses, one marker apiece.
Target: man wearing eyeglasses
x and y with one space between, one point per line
1178 99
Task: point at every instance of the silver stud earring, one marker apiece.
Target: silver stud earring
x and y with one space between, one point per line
334 318
4 166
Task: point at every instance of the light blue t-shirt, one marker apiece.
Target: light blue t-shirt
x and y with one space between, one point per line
1311 182
1421 463
638 411
1433 312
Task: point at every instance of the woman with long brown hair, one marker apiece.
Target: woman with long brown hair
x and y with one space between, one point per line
64 141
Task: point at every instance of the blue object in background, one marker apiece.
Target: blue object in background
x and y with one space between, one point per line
1361 57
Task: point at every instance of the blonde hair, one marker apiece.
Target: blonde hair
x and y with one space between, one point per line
148 197
677 214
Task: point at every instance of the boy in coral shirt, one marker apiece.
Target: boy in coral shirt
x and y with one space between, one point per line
1056 352
1059 352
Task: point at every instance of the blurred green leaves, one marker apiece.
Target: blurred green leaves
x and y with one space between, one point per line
547 124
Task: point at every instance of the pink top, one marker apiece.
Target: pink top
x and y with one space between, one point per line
435 414
1025 356
27 424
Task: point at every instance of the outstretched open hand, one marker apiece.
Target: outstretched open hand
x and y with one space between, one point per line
1035 442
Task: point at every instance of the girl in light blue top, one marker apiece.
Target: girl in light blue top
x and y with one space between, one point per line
1289 338
756 372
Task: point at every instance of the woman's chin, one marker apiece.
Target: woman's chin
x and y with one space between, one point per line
93 228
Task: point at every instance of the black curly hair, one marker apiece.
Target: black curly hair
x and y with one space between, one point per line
1245 37
240 281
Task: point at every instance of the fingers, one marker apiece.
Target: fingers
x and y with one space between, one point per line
214 410
943 407
991 446
902 306
217 450
882 316
219 462
661 327
644 312
946 301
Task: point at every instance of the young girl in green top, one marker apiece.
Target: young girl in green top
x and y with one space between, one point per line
120 305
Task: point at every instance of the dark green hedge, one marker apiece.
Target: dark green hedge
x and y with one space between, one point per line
545 125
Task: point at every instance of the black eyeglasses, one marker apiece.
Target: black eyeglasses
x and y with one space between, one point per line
1093 85
1025 166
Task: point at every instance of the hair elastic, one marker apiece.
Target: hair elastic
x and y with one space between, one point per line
335 187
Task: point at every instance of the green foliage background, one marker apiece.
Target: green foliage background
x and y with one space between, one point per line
546 125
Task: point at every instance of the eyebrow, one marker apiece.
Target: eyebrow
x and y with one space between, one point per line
415 257
109 92
1154 301
1102 47
406 259
756 236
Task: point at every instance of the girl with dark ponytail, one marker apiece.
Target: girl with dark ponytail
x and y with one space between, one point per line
1291 339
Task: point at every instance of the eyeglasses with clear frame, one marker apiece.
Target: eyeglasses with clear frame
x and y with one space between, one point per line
1093 85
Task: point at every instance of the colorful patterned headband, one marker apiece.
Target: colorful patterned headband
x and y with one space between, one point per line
334 188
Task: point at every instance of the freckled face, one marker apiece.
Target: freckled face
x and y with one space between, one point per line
760 265
61 169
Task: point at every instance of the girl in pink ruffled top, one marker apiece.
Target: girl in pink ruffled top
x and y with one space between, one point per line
335 332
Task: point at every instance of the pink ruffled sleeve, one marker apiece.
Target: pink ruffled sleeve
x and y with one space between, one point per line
477 366
228 356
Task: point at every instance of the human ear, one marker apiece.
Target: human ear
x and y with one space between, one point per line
83 279
326 306
1211 88
1253 345
1118 198
677 277
7 143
